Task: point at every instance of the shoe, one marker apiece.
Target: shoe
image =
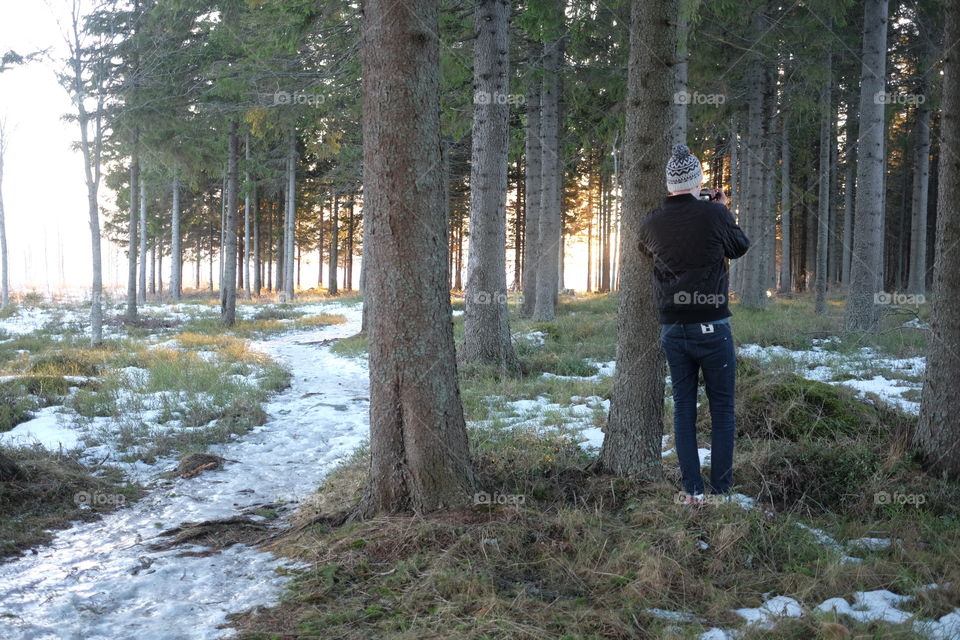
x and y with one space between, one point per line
694 500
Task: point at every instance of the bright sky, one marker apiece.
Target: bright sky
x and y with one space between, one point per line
43 187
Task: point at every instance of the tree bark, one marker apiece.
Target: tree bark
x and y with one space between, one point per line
486 328
938 432
176 251
247 199
332 288
849 173
786 281
681 55
133 246
255 220
92 153
532 155
823 201
921 181
632 441
866 270
752 294
550 198
419 456
768 211
142 287
289 226
228 309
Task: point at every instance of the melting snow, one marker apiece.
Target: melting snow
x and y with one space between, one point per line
85 585
827 366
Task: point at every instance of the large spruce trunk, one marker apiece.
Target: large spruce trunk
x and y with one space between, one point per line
938 432
548 256
419 458
752 291
486 328
632 441
866 270
531 218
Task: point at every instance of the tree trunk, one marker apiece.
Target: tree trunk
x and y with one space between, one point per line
632 441
921 181
752 294
550 198
255 220
823 200
769 213
134 221
419 456
332 288
270 240
938 432
486 330
867 265
142 288
681 55
348 257
849 172
153 268
786 281
228 309
247 199
289 227
591 215
518 212
176 252
532 155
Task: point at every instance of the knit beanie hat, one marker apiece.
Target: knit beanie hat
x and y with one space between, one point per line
683 170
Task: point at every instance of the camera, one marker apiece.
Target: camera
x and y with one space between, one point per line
706 194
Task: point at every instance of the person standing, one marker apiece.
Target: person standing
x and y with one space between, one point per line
690 238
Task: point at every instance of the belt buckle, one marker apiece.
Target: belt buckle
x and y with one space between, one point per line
706 327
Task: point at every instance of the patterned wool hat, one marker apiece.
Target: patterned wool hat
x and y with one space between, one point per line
683 170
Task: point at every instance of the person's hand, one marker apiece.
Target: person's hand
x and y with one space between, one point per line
720 196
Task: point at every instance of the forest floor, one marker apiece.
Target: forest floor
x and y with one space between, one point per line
834 530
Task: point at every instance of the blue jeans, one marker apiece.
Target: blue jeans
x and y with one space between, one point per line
691 348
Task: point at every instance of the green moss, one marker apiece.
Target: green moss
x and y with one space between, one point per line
15 404
785 405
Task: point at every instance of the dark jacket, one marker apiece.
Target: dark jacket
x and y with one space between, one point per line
690 241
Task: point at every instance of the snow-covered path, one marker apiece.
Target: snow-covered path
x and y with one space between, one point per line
98 581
